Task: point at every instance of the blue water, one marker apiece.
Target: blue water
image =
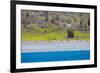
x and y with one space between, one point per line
55 56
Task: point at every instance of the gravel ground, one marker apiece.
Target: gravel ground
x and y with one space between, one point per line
46 46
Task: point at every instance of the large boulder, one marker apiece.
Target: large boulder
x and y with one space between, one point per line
70 34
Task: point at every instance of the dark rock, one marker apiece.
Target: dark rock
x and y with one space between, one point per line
70 34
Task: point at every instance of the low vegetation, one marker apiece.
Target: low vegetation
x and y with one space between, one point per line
40 34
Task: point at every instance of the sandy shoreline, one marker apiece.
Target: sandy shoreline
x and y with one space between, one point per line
53 41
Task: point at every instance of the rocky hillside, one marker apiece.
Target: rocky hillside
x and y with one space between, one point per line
57 20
